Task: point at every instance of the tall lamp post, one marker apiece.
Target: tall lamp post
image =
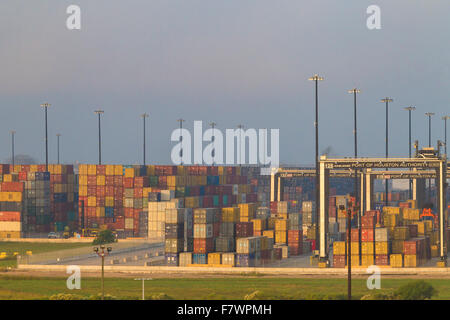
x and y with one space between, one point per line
386 101
144 116
57 146
213 139
12 146
316 78
101 253
445 118
429 115
181 139
99 113
410 109
45 106
355 133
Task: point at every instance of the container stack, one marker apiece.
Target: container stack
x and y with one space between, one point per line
11 202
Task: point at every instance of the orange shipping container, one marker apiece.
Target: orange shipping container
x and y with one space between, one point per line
9 216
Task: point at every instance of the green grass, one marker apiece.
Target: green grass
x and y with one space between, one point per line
203 289
34 247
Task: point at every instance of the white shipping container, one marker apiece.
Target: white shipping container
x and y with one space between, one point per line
202 231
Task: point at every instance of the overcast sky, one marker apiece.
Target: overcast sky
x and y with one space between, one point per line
231 61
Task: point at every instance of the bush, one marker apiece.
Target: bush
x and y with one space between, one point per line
99 297
104 237
386 295
67 296
161 296
416 290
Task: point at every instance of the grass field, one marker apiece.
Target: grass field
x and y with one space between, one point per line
34 247
203 289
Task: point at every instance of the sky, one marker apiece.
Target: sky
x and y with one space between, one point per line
229 61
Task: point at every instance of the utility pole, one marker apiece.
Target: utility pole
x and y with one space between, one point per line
445 118
410 109
57 146
355 133
99 113
316 78
429 115
181 139
144 116
386 100
12 146
213 139
45 106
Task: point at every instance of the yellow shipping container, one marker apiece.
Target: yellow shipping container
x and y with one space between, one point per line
367 260
92 169
401 233
355 248
339 248
434 251
57 169
82 180
214 258
281 225
11 196
109 201
109 170
82 191
355 261
101 180
280 236
10 235
381 247
118 170
366 248
396 260
83 169
247 209
17 168
392 210
268 233
92 201
259 224
230 214
151 170
7 177
100 212
411 214
33 168
411 260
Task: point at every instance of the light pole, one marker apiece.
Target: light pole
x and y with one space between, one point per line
213 139
57 136
12 146
240 126
101 253
99 113
143 286
355 133
45 106
386 100
144 116
429 115
316 78
445 118
181 139
410 109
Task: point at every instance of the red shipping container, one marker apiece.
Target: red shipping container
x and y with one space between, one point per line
100 201
367 234
381 260
101 169
339 261
23 176
128 182
368 221
374 213
244 229
100 191
203 245
295 251
109 180
277 253
414 246
118 180
109 191
12 186
91 180
41 168
92 191
216 229
138 192
355 235
295 236
9 216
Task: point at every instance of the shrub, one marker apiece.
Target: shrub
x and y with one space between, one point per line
416 290
161 296
104 237
67 296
